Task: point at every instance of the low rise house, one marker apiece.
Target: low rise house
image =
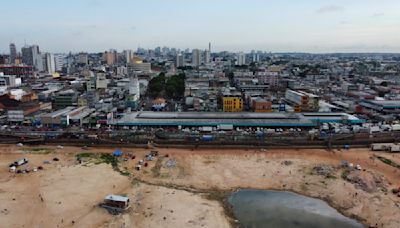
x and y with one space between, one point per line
261 105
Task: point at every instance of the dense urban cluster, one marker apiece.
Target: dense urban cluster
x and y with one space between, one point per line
199 90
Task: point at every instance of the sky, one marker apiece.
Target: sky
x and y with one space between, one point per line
316 26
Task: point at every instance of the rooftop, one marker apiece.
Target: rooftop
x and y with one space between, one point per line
117 198
390 104
58 112
241 119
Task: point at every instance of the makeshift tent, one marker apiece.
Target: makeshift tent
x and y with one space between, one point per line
117 153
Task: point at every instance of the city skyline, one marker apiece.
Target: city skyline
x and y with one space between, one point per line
97 25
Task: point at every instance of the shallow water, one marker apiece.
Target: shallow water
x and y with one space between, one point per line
267 209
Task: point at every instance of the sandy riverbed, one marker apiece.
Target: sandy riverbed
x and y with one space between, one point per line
66 193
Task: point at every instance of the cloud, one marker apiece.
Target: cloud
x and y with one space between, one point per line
376 15
331 9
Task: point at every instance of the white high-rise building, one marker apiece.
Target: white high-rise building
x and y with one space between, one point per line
180 61
134 87
207 56
196 57
240 59
256 57
59 60
128 55
50 63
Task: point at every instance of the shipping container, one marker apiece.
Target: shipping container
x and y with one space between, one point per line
395 148
381 146
396 127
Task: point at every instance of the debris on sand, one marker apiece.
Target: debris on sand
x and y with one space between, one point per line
366 181
324 170
171 163
286 162
5 211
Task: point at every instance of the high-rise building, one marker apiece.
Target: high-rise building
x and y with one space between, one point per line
240 59
207 56
173 51
13 53
134 88
101 80
165 50
180 61
128 55
41 62
256 57
59 60
50 63
196 57
83 58
110 57
157 51
31 56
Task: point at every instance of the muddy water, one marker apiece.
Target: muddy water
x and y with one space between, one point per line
267 209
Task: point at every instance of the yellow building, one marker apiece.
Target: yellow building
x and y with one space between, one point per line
82 102
232 104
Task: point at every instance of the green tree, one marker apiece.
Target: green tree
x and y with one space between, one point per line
156 86
175 87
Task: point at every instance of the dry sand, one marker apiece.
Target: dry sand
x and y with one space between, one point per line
65 194
71 192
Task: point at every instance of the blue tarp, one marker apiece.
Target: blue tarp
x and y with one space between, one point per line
117 153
